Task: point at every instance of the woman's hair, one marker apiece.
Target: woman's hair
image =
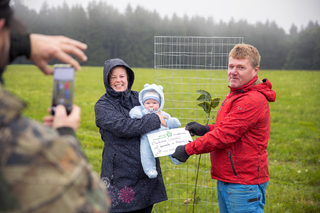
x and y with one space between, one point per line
243 51
111 71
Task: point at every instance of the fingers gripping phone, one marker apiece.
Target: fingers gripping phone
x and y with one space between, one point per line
63 87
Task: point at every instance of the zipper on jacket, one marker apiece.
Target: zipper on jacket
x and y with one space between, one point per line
113 165
229 96
229 156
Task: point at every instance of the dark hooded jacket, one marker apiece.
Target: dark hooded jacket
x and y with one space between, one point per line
129 188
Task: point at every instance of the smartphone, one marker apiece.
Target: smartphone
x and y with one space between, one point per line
63 87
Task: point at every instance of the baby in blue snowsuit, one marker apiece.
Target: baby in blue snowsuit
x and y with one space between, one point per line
151 99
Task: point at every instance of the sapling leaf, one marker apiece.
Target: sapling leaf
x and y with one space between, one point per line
201 91
208 107
205 106
205 96
202 98
197 200
215 102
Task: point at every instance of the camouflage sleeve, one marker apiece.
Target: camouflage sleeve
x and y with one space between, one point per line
66 131
42 171
20 45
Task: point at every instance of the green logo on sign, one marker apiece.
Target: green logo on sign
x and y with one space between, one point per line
169 134
160 137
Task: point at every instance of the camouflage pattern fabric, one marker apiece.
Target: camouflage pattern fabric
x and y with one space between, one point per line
42 171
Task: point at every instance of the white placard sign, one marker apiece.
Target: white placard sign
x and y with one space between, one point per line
165 142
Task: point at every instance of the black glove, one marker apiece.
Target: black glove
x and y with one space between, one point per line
180 154
197 129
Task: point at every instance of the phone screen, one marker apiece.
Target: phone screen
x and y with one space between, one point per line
63 88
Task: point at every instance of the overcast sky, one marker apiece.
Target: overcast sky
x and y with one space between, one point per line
283 12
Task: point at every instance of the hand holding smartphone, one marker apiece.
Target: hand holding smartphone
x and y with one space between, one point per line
63 87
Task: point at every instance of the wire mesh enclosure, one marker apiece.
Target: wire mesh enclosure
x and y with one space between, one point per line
184 65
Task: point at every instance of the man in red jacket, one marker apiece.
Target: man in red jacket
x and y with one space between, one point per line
238 140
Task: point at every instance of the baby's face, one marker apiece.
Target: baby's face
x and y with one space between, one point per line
151 104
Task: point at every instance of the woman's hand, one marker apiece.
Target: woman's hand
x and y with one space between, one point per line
162 117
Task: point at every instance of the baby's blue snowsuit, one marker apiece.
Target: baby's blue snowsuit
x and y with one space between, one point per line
147 159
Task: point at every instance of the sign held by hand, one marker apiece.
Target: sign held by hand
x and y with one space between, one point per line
165 142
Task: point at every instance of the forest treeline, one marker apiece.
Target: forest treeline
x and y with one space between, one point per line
130 35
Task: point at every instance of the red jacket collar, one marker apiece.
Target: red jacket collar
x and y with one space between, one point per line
265 88
244 87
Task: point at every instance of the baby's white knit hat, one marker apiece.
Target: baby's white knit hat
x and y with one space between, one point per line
151 94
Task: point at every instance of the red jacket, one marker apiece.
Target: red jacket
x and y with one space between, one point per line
238 141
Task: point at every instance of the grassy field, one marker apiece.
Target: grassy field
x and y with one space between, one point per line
294 145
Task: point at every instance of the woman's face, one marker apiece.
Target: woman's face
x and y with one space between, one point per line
119 79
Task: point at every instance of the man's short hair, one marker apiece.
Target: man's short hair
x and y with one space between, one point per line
14 23
243 51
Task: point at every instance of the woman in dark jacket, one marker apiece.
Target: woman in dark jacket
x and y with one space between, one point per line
129 188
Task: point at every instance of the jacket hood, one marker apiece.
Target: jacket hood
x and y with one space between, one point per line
156 88
109 65
264 87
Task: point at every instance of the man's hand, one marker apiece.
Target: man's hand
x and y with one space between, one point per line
61 119
180 153
197 129
44 48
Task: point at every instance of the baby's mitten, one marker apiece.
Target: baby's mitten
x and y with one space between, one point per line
135 112
174 160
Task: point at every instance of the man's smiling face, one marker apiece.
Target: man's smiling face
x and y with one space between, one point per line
240 72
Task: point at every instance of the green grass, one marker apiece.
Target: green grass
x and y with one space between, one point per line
294 145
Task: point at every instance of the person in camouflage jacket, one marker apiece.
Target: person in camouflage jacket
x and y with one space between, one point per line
42 169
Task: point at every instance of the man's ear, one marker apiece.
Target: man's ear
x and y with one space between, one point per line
256 70
2 22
